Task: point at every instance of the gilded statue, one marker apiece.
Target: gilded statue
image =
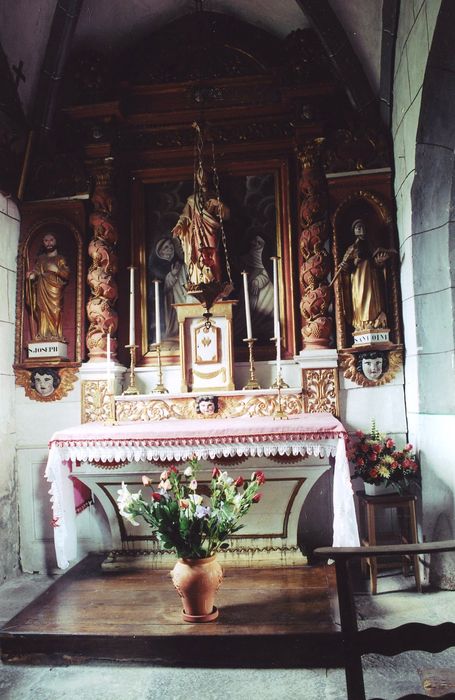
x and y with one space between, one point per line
198 229
363 290
46 283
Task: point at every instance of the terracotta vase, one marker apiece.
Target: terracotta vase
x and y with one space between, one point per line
197 581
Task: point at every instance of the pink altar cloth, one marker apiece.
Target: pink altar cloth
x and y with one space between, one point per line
318 434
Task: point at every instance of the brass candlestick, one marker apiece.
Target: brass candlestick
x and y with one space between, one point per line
279 382
159 388
109 394
132 390
280 414
252 382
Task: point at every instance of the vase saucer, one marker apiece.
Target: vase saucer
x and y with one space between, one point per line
209 617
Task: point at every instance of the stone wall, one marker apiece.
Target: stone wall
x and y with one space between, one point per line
9 527
424 108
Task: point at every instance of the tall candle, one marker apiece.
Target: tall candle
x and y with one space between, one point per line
132 319
276 315
276 312
249 330
157 312
108 360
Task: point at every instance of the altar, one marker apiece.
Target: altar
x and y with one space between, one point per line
293 453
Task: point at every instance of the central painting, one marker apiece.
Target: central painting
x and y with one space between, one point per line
254 210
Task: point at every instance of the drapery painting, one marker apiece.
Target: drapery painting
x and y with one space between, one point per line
252 233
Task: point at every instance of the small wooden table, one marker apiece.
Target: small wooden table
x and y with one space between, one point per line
405 506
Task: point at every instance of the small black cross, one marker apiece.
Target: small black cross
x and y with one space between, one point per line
19 74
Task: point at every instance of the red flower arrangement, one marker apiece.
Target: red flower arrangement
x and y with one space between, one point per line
377 461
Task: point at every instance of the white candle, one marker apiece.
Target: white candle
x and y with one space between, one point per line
249 330
108 360
276 314
132 319
157 312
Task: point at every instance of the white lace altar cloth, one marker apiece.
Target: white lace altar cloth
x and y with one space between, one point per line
318 434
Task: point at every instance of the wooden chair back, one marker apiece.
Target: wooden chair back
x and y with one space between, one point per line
388 642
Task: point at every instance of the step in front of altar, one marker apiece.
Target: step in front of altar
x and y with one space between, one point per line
269 617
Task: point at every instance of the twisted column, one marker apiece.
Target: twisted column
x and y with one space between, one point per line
314 259
101 311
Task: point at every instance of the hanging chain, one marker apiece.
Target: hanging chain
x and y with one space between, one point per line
197 232
216 182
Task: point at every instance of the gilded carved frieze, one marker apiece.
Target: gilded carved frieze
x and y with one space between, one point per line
96 405
320 389
96 402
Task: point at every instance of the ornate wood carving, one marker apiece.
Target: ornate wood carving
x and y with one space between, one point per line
314 260
356 148
101 311
95 402
65 377
95 406
350 365
320 389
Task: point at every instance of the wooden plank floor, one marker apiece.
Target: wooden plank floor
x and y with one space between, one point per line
282 617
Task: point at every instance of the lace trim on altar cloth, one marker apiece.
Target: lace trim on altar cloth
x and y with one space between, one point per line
190 448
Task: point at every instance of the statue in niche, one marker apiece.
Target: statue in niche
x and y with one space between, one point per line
364 283
372 364
46 283
198 229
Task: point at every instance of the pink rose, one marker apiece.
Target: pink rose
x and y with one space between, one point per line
390 443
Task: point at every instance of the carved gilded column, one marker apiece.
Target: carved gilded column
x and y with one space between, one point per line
314 259
101 311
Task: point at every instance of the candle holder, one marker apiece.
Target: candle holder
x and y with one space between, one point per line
279 382
279 413
252 382
109 394
159 388
132 390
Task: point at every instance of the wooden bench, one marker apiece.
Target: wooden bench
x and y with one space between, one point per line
388 642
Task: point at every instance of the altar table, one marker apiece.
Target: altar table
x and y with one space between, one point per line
112 446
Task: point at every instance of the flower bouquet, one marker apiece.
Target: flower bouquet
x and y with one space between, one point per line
377 460
195 525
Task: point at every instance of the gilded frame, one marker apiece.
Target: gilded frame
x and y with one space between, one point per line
236 177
